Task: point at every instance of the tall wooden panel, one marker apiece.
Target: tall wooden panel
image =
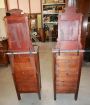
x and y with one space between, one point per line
67 58
25 67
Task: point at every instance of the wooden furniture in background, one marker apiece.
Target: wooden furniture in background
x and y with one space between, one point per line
25 67
84 7
87 42
50 11
67 62
3 48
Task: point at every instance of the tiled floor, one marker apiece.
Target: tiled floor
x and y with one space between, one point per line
8 93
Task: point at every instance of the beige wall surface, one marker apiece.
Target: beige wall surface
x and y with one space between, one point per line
35 6
12 4
2 4
2 23
24 5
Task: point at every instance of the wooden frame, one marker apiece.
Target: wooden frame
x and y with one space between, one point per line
56 51
24 57
38 75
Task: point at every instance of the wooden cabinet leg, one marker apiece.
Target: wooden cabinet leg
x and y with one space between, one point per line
76 96
54 95
54 71
39 95
18 95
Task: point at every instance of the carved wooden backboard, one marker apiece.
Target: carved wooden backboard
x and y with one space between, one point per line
18 33
69 29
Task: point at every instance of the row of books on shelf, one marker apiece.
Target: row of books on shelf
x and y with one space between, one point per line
53 9
53 1
52 18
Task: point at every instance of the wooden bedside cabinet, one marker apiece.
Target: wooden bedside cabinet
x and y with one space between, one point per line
24 57
68 55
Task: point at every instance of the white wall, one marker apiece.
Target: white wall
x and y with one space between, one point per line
2 24
35 5
2 4
24 5
12 4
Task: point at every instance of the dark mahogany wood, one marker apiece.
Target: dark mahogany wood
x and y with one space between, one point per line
67 65
54 76
25 67
69 29
83 7
3 57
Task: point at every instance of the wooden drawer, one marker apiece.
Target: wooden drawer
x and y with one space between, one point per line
23 59
26 81
27 86
66 76
71 66
68 64
68 84
63 86
24 66
25 75
65 89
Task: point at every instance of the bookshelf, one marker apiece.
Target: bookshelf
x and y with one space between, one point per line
50 11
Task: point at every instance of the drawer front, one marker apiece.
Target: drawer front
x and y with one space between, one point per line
73 67
66 76
24 72
67 63
25 75
63 86
66 89
24 59
23 67
27 86
26 81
